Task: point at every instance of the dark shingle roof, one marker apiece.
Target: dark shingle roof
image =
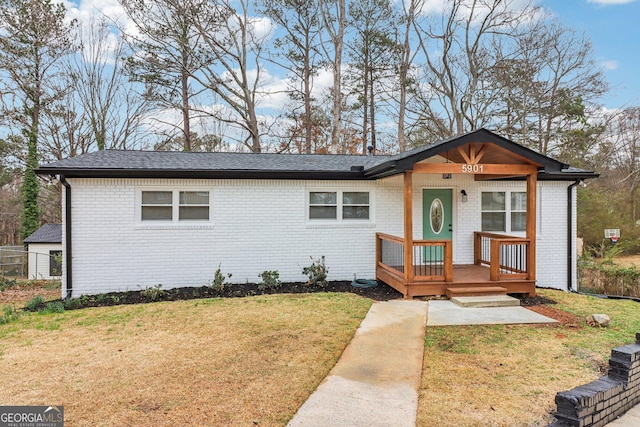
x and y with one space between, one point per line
197 161
166 164
48 233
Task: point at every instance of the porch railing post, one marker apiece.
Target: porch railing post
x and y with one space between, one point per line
494 266
532 184
448 261
477 248
378 249
408 227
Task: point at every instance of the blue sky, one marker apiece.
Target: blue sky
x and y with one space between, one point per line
612 26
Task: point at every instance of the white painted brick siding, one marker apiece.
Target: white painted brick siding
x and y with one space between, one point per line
259 225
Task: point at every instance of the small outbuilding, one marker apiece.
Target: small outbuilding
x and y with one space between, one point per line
45 252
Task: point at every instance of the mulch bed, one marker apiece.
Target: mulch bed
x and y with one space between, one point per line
543 305
381 292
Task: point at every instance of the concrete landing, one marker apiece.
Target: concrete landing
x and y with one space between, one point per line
443 313
487 301
376 380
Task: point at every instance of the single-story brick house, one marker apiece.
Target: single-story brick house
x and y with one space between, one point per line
45 252
475 209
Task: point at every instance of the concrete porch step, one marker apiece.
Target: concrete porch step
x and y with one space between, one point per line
475 291
486 301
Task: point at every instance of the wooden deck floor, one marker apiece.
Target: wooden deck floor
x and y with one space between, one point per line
463 276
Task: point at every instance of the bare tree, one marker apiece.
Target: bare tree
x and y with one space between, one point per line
112 110
623 134
334 18
458 47
233 48
299 47
504 64
549 80
372 52
34 37
405 62
166 54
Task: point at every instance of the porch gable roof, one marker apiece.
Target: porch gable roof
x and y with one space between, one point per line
448 149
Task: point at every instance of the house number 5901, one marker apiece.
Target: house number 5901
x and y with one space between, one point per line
472 168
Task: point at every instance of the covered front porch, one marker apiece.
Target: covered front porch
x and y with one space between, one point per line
501 262
502 233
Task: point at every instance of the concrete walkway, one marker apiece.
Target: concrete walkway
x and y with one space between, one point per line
445 312
376 380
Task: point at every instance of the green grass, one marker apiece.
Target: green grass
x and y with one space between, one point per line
236 361
508 375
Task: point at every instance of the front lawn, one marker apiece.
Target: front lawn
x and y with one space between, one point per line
255 360
236 361
508 375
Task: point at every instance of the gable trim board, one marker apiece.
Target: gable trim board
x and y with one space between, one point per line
259 214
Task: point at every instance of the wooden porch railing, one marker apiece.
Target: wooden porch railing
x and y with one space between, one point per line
432 260
507 256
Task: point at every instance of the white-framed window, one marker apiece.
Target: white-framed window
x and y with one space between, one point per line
55 263
504 211
339 205
162 206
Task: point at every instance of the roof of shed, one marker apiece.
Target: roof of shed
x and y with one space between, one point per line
48 233
166 164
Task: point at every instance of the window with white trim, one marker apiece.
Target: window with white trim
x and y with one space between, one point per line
339 205
55 263
174 205
504 211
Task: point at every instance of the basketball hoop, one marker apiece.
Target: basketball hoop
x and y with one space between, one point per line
613 234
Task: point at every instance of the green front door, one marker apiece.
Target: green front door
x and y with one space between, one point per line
436 220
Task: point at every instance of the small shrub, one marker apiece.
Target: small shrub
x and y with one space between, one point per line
71 303
7 283
54 307
35 303
270 280
154 293
316 272
9 314
219 279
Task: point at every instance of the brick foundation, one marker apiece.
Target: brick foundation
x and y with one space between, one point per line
603 400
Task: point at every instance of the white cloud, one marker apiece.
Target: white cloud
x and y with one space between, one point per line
609 64
262 27
85 10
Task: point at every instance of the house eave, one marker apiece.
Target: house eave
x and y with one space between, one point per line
356 173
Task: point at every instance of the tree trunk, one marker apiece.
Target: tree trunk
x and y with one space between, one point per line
186 121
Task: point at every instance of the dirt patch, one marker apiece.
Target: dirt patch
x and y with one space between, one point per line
20 293
628 260
543 305
565 319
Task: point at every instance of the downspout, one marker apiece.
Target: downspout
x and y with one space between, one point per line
570 233
67 235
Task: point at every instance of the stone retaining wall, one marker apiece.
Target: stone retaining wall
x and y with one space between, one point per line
603 400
